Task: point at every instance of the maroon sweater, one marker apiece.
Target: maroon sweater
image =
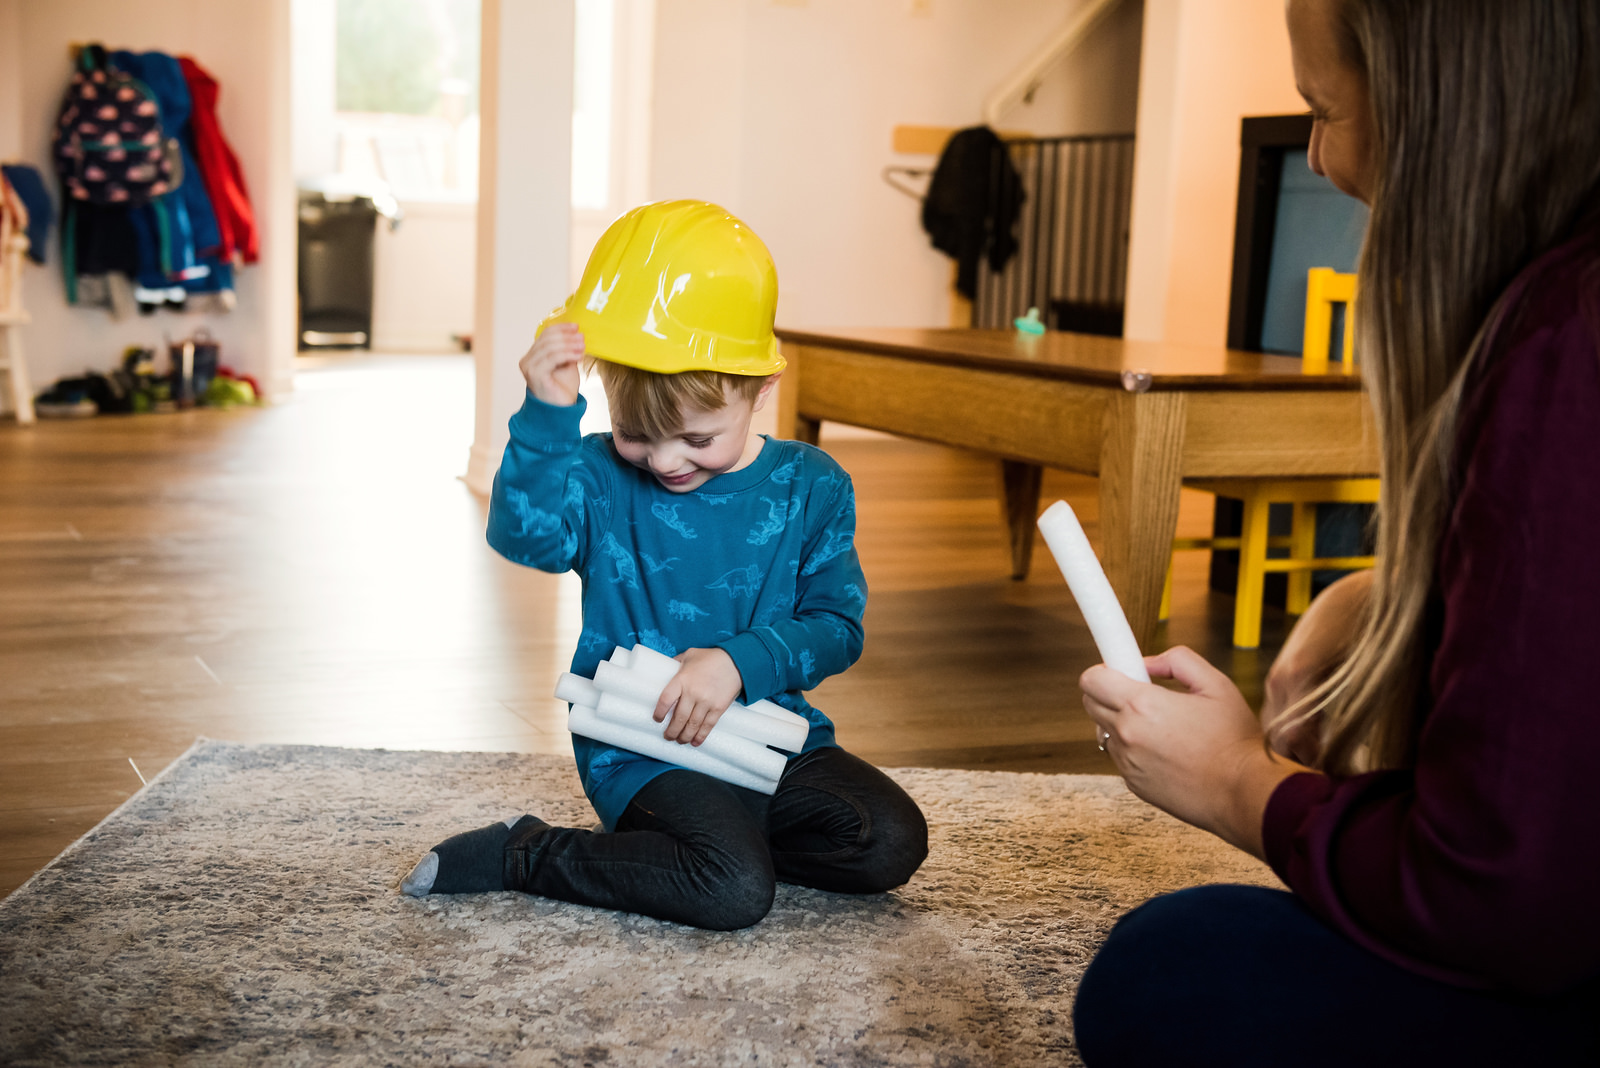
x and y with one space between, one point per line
1480 866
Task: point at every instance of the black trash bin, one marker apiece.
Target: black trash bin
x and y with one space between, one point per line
337 226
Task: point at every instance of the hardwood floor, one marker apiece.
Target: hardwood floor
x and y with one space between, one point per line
315 573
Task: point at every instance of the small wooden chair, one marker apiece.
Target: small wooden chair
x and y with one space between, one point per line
13 245
1324 288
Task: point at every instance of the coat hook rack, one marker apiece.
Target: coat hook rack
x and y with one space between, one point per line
895 177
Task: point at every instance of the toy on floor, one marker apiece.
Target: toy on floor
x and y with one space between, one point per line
617 707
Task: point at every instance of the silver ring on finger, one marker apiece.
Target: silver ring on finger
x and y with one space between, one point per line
1104 737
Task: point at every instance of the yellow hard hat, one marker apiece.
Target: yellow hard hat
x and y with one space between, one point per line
680 285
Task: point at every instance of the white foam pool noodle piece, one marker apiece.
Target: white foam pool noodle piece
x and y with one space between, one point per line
629 684
655 667
621 657
784 730
779 713
787 734
740 752
648 664
577 690
586 722
1092 590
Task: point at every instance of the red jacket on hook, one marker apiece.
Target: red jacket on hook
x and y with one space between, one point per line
219 167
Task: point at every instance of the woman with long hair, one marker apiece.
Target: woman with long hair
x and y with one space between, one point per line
1423 773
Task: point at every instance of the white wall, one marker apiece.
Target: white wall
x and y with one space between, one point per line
633 94
1207 64
313 29
246 47
783 113
10 80
422 280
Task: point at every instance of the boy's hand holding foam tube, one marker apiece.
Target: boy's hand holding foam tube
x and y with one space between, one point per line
697 696
618 707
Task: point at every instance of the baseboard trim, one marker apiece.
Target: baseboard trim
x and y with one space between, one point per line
481 468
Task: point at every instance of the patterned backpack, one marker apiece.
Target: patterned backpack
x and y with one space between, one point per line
109 143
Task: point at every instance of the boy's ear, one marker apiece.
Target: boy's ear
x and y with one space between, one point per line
768 387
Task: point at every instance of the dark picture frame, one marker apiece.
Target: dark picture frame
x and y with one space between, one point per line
1263 142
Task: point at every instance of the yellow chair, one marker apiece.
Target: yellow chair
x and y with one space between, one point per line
1324 289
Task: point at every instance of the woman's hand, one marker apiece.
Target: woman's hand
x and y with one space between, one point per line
1196 753
1316 646
698 695
551 366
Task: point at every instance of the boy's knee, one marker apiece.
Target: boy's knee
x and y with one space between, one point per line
849 839
735 899
898 844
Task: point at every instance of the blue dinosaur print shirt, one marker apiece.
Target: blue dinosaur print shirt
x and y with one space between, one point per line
760 562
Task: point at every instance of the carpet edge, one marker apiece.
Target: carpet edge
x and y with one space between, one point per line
199 742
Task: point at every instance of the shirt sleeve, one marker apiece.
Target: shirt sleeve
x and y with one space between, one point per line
1479 866
824 635
548 492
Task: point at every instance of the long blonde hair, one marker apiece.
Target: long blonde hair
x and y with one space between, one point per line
1486 120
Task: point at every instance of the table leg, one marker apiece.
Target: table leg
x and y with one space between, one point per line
1141 473
1021 484
791 424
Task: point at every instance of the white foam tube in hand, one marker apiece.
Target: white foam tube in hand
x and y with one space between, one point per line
1092 590
587 722
786 734
621 657
779 713
628 684
651 666
577 690
740 752
780 728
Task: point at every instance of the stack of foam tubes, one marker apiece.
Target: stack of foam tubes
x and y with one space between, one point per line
618 705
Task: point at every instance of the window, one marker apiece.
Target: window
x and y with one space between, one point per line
591 105
406 104
407 96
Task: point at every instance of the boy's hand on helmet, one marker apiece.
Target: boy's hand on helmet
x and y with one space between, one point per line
698 695
551 366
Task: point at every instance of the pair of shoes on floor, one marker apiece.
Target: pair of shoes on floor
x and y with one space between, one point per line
67 399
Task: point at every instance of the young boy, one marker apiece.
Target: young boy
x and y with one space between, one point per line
728 550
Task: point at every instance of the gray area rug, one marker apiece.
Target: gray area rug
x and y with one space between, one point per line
242 909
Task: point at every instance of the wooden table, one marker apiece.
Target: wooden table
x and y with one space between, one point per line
1142 416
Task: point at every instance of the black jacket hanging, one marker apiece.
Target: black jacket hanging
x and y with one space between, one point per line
973 203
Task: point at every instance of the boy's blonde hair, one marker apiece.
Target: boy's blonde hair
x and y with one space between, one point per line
652 404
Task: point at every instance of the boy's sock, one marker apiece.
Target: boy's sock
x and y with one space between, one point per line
469 863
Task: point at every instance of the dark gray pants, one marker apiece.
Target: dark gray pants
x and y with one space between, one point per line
698 851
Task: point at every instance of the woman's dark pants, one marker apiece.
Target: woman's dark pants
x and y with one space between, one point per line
1242 976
